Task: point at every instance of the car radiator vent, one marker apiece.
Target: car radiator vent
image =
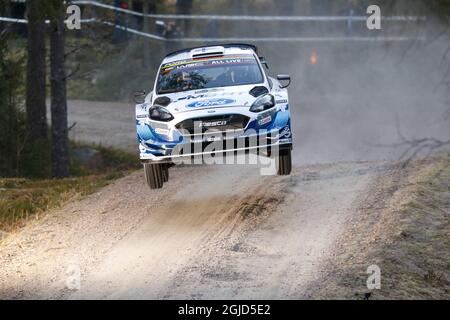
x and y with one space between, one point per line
214 123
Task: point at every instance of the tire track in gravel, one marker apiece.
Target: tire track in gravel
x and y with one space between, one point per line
207 234
276 256
216 232
265 238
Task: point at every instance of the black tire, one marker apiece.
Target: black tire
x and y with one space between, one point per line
154 175
284 162
165 173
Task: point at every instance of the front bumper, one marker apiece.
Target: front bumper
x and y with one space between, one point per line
163 142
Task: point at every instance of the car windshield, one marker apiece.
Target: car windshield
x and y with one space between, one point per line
207 73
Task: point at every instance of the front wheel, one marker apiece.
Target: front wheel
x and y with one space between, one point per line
284 162
154 175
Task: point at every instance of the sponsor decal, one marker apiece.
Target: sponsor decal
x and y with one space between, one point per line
210 103
286 132
265 120
209 124
162 131
141 116
189 97
285 140
230 59
280 101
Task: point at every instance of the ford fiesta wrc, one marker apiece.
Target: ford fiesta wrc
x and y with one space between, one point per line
213 101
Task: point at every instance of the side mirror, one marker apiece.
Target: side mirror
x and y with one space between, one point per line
139 96
284 77
264 62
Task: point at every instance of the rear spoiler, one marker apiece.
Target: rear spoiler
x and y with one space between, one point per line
225 45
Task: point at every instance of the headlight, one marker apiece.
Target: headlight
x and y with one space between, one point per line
265 102
159 113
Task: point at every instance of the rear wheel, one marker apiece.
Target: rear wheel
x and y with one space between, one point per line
284 162
154 175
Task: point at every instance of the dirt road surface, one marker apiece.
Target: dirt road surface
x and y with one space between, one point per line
225 231
258 237
207 234
216 232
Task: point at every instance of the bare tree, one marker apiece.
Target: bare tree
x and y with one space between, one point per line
60 137
35 83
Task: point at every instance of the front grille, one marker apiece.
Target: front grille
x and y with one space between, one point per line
214 123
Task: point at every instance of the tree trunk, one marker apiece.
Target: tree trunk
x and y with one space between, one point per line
35 85
60 137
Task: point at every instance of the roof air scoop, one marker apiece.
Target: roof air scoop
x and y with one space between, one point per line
207 52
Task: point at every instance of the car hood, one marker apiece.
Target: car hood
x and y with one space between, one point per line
208 98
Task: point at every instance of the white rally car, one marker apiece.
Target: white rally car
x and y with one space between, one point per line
211 101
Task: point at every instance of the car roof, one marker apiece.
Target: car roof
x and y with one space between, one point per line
211 50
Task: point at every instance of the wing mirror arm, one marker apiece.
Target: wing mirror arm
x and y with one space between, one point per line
284 77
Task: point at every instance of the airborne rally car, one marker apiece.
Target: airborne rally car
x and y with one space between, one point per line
212 101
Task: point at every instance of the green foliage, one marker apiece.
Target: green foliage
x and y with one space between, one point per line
36 159
12 118
17 156
107 160
24 199
52 8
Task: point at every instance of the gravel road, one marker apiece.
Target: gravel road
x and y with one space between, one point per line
211 232
214 232
258 237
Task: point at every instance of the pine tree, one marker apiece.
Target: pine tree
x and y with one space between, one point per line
60 137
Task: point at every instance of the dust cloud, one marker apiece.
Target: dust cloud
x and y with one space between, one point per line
360 101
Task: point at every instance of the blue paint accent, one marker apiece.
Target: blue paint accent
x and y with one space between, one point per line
155 144
146 132
152 141
281 120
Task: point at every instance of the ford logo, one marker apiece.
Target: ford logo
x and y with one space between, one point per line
210 103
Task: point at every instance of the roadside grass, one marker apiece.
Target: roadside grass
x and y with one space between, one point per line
417 264
408 239
23 200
